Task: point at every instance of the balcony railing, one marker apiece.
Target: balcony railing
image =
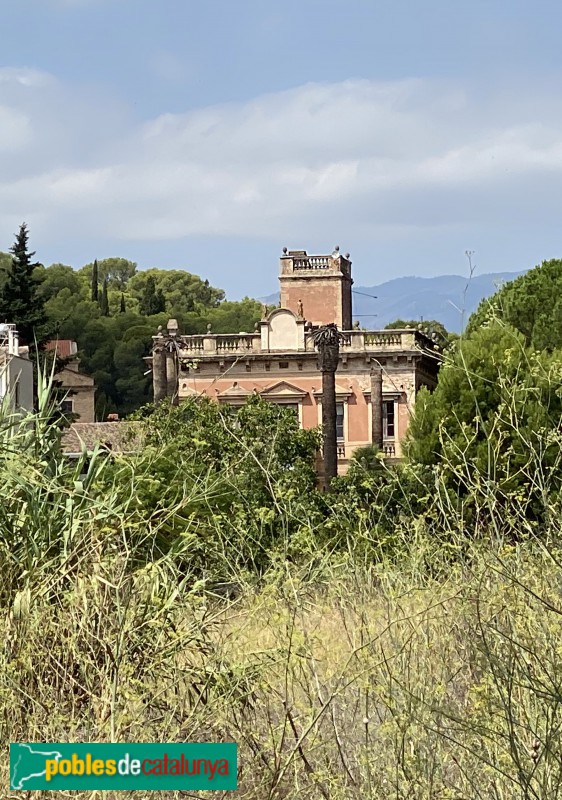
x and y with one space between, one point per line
345 451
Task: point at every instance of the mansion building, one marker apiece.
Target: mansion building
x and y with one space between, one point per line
378 375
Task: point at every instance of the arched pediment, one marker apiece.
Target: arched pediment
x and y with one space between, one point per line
282 330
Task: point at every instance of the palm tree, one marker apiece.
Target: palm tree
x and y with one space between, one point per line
327 341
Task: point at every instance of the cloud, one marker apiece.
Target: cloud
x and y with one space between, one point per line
169 67
379 158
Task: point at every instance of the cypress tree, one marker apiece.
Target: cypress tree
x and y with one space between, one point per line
20 302
122 307
104 300
148 300
95 282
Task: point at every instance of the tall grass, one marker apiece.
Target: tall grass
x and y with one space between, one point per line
419 672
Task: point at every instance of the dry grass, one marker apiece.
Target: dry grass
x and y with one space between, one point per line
381 685
423 677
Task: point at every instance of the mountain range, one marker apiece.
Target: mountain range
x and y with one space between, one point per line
450 299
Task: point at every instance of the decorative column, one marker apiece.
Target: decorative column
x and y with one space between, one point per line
376 406
159 377
172 373
172 361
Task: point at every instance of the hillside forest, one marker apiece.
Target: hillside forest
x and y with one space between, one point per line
112 309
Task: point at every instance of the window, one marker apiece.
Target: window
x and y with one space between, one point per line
294 407
283 365
67 406
339 420
17 394
388 419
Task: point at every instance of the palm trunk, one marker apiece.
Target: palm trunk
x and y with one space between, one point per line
330 451
376 406
327 340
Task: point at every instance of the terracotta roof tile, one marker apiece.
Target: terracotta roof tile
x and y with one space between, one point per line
65 348
121 437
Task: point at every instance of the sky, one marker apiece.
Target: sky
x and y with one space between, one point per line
208 135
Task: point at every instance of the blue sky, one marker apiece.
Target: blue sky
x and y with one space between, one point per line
208 135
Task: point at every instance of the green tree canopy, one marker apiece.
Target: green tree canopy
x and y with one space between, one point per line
252 459
183 291
114 330
104 300
118 272
53 279
5 266
531 303
153 300
20 300
495 407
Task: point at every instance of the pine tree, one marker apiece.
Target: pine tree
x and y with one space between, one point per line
122 307
104 300
95 282
20 302
159 302
153 301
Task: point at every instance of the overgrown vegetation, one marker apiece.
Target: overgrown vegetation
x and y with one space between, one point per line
396 637
391 638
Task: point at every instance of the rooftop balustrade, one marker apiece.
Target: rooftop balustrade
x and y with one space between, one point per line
313 262
210 344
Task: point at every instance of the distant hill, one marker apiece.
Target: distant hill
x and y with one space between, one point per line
443 298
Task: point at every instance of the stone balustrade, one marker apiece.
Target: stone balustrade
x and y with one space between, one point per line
312 262
345 450
357 341
247 343
220 344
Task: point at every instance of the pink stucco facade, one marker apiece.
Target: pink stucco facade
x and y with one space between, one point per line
279 362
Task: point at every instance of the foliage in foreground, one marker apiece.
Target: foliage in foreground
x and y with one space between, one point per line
495 419
426 663
421 673
248 471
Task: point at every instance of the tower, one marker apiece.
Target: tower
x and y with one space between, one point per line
317 288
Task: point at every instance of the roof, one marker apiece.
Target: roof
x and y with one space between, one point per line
70 378
121 437
65 348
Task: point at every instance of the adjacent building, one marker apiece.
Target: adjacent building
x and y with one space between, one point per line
80 390
16 372
379 372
